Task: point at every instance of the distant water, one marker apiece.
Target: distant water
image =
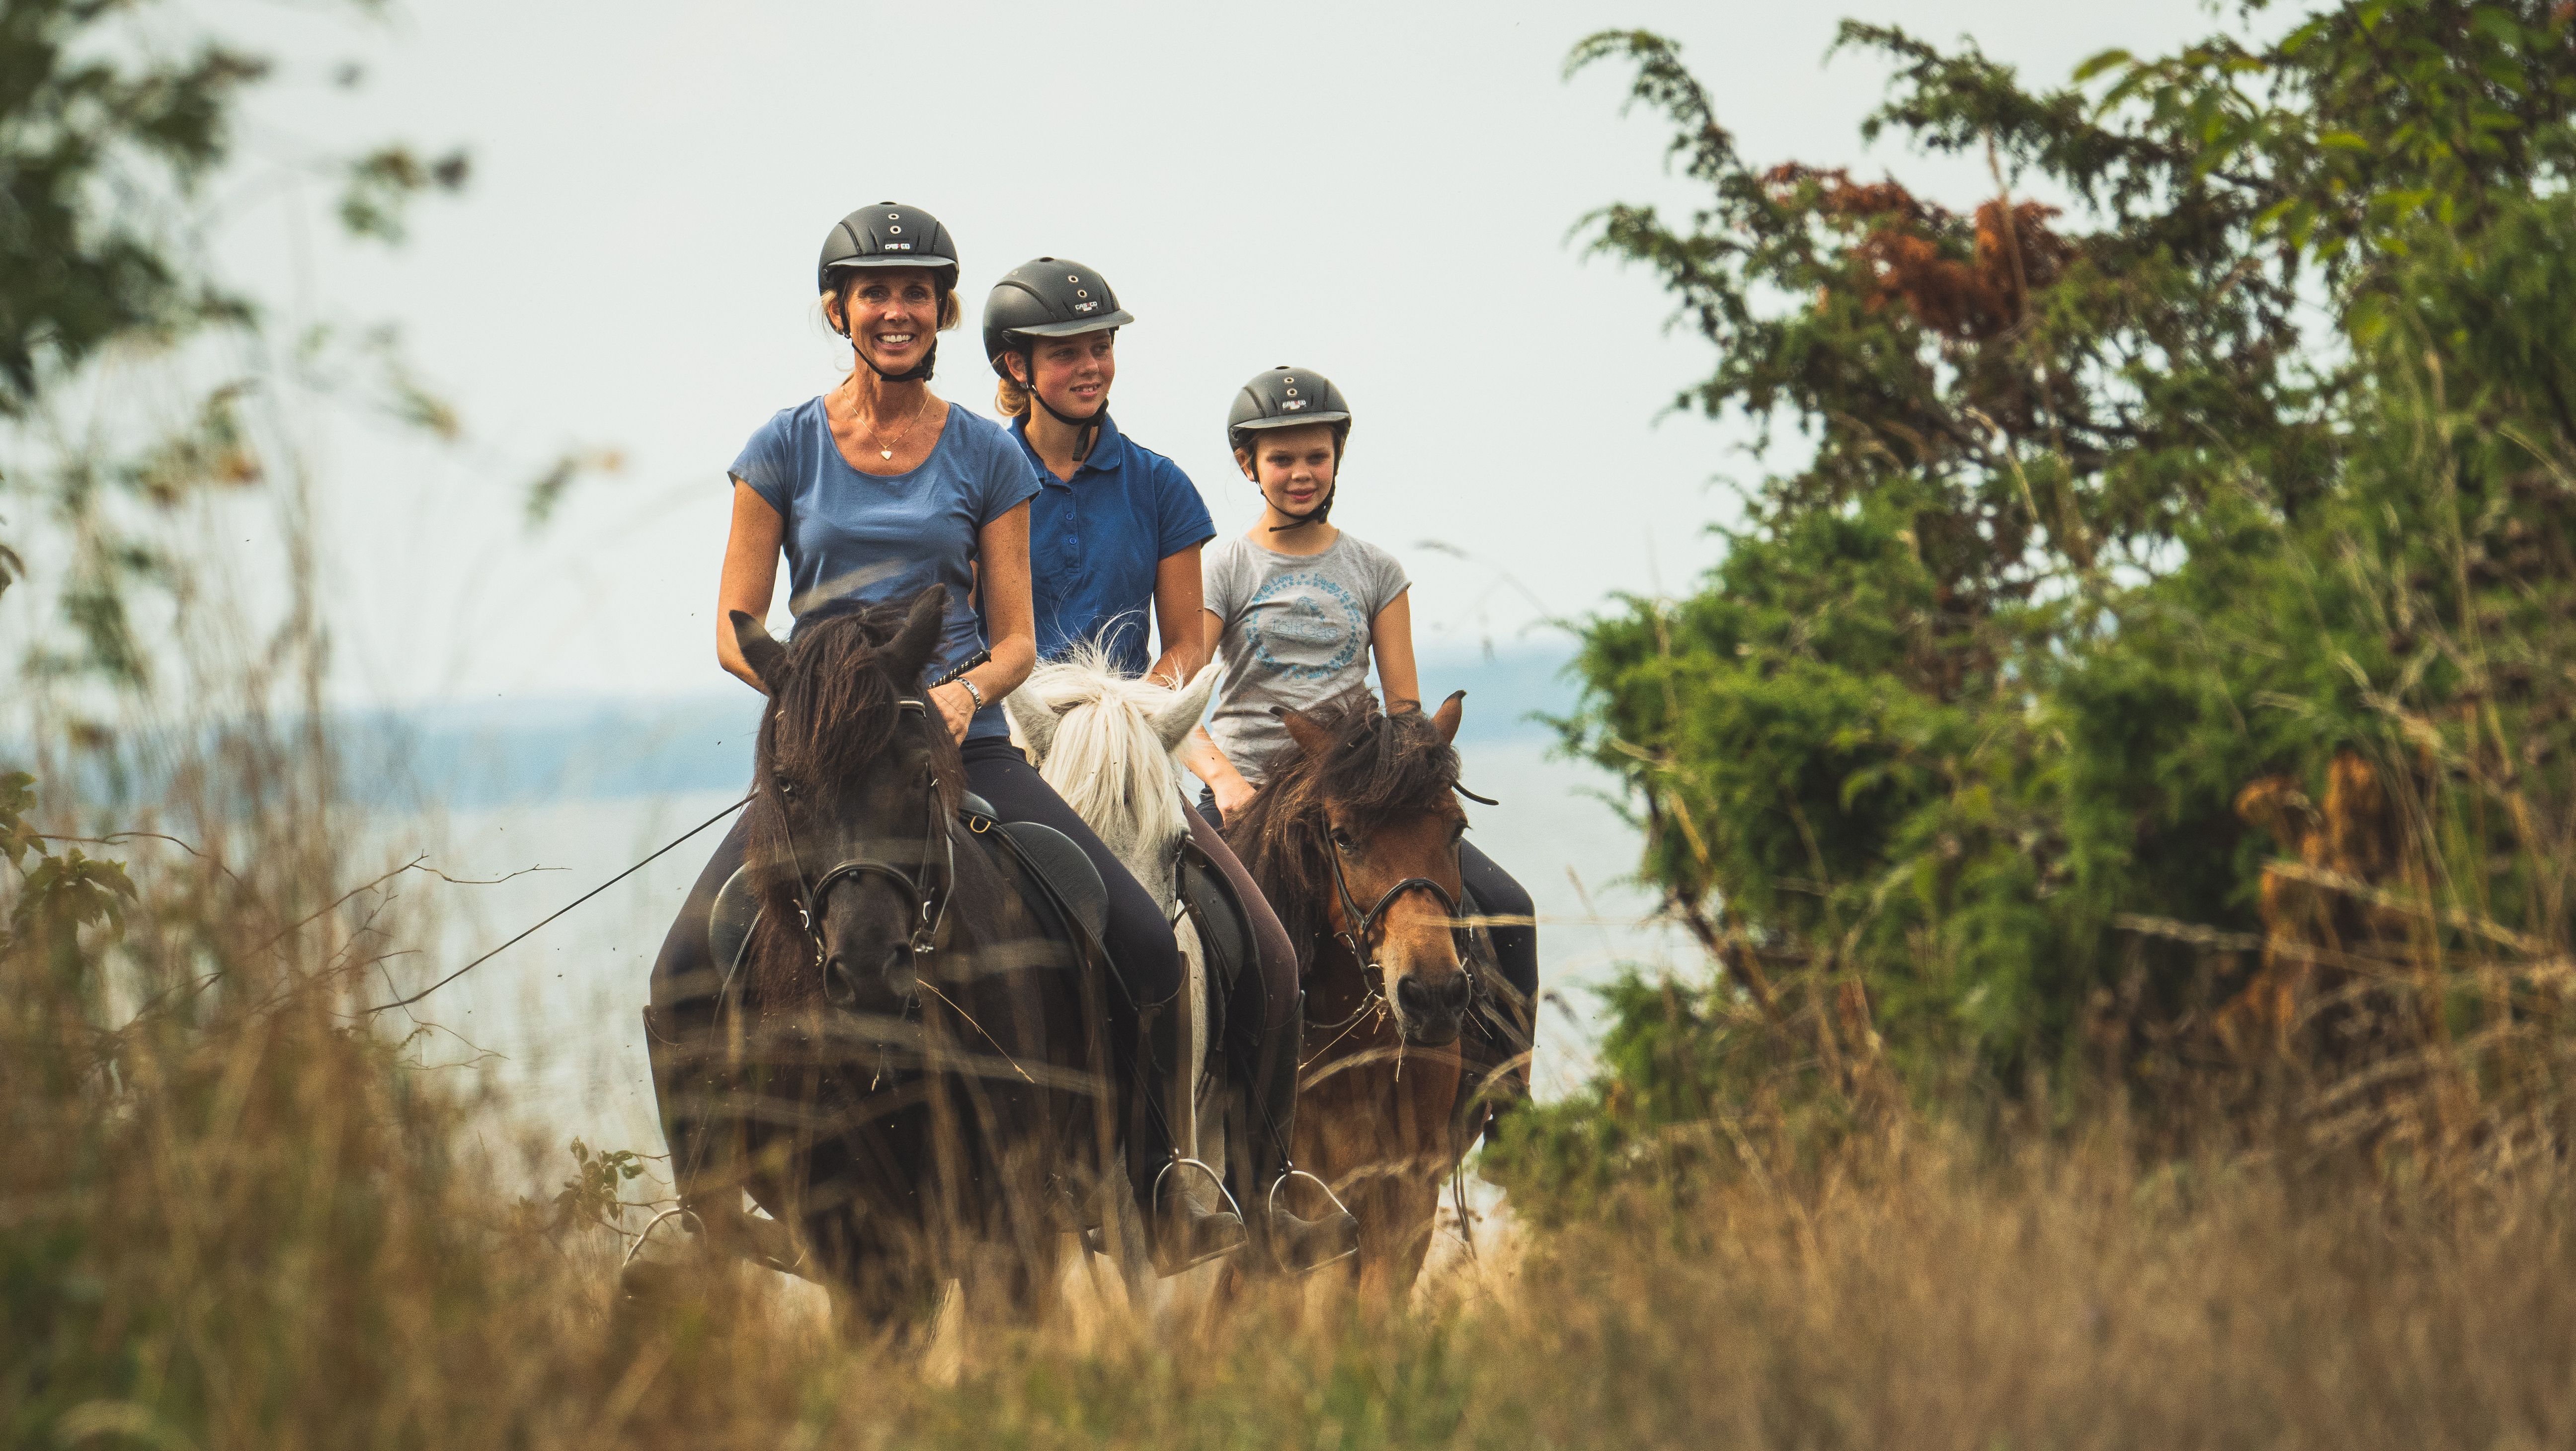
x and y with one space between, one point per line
586 789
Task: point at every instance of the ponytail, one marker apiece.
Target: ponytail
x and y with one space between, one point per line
1009 398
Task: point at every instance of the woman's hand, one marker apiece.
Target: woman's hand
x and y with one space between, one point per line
955 707
1233 793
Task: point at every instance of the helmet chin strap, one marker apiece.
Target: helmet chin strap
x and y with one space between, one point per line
1315 515
1090 427
918 372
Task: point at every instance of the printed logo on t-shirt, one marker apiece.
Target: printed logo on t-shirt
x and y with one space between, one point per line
1316 631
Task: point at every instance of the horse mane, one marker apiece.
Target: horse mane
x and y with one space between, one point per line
1105 760
835 711
1376 768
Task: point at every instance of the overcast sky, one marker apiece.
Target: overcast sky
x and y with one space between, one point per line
1381 192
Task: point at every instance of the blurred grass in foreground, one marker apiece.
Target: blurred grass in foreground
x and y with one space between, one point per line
234 1217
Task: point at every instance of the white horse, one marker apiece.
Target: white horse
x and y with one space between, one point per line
1109 744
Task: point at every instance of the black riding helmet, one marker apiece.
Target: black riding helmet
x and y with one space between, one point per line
1287 397
891 234
1049 297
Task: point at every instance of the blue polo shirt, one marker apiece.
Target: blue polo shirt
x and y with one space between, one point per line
1095 539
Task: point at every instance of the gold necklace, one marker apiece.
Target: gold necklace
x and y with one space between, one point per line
885 450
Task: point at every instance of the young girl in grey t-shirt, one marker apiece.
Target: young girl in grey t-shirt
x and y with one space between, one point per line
1296 607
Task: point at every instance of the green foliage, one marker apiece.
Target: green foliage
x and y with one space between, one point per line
595 1191
108 138
2105 521
78 273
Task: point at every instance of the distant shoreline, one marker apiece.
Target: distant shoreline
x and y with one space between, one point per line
476 754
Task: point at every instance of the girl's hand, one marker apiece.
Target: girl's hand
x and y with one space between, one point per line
955 707
1232 794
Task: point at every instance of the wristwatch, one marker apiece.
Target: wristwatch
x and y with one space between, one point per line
971 690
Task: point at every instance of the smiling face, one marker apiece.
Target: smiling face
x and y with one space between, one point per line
1293 466
1073 374
890 314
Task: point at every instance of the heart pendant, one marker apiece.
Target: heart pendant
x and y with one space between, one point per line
885 453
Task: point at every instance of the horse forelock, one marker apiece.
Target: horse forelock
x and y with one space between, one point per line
1374 770
836 710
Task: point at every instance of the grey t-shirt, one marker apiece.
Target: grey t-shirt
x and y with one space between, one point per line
1296 634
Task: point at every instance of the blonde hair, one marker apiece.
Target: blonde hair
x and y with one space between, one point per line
1009 396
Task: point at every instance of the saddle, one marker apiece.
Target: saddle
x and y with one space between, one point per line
1225 928
1071 884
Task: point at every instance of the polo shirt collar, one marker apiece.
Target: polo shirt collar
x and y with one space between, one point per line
1108 451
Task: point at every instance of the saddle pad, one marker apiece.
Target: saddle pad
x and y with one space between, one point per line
1225 929
730 920
1064 871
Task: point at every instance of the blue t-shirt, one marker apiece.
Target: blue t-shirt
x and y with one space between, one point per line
1095 539
855 539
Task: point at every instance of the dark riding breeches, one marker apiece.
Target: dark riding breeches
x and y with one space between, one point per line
1140 942
1515 947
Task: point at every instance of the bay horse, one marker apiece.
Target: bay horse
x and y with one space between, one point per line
908 1068
1354 838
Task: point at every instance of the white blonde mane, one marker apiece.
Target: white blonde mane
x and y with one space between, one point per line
1106 741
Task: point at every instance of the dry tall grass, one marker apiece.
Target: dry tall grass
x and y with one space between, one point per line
233 1217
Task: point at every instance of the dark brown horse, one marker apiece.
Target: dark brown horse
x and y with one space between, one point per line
1354 838
906 1067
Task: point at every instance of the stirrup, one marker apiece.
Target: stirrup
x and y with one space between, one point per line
1271 1207
1154 1208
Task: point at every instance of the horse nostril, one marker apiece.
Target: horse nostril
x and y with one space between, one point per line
1418 998
838 985
1453 992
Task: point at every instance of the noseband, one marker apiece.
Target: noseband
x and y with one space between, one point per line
1361 937
928 890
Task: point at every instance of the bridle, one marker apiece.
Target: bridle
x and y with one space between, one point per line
1362 936
928 890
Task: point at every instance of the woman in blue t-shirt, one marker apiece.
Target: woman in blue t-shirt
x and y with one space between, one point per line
873 492
1116 530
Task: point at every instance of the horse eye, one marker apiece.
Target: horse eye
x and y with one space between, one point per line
1342 840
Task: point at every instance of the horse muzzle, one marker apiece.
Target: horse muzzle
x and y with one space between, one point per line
1429 1010
847 983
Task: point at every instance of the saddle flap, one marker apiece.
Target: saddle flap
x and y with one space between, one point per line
1064 871
1225 929
729 921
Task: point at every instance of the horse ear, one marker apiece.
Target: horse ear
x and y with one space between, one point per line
1035 718
1310 736
763 654
1446 719
1172 723
909 652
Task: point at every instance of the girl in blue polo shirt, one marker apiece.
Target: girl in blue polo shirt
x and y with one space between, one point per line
1115 530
